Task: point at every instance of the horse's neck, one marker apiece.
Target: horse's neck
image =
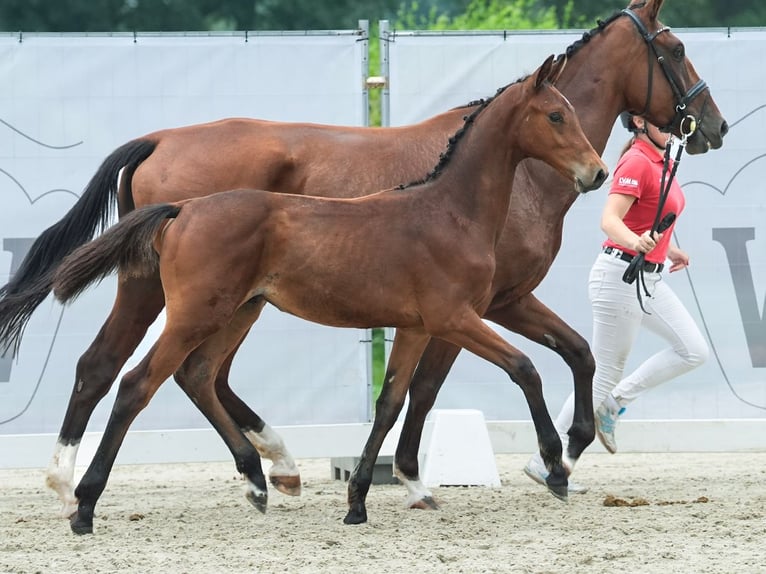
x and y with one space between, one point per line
594 89
477 178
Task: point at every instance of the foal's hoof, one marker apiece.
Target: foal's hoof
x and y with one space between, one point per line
79 525
289 485
257 499
425 503
356 515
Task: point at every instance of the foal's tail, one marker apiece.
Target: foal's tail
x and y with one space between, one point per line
128 246
31 284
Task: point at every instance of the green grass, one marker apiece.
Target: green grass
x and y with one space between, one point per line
378 362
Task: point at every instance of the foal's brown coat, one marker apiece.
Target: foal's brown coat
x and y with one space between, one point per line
606 74
419 258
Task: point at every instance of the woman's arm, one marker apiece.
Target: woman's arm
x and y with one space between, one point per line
617 205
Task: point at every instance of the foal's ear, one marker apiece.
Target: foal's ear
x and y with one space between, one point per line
544 73
558 66
550 70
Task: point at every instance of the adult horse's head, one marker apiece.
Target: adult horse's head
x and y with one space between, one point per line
676 98
551 130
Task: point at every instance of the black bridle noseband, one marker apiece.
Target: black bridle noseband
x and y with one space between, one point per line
682 100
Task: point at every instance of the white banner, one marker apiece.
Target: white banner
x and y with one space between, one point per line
67 102
723 228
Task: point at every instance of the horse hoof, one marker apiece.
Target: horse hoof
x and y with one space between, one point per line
356 516
289 485
560 492
425 503
259 500
80 526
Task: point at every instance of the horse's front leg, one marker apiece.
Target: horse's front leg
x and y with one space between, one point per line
138 302
529 317
406 351
430 374
471 333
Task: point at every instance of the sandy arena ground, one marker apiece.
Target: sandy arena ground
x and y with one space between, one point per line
690 513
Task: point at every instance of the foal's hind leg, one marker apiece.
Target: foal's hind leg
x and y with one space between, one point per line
138 302
407 348
529 317
196 377
473 335
284 473
189 323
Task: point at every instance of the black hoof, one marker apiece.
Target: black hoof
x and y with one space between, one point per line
79 525
557 484
258 500
356 516
560 492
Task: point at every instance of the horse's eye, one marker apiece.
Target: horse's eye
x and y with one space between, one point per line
678 52
556 117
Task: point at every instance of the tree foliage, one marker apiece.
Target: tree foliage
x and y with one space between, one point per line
180 15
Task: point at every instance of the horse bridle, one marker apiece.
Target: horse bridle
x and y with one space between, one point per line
682 100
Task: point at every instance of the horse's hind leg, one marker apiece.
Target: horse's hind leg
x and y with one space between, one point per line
196 377
284 473
407 349
136 390
428 378
138 302
529 317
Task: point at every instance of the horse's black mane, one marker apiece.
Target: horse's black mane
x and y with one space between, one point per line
482 103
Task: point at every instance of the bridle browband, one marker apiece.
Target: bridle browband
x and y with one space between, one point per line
682 100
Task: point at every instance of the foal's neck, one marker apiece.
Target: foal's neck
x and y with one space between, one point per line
478 177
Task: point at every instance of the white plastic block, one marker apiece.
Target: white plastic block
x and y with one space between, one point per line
459 452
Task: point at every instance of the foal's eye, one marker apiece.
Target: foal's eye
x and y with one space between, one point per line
678 52
556 117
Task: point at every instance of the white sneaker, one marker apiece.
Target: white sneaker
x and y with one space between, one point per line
535 469
606 421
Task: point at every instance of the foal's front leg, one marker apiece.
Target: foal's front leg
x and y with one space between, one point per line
430 374
405 353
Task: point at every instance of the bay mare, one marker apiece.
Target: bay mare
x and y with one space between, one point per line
608 72
419 258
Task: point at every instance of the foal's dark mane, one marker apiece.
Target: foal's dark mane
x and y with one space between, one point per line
482 103
446 155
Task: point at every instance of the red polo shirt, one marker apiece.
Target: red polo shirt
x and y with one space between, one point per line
638 174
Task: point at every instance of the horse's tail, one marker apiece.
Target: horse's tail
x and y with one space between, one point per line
127 246
31 284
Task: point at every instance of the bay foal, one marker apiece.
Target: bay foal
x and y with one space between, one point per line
419 258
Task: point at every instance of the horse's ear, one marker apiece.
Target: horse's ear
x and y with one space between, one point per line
653 7
543 74
558 66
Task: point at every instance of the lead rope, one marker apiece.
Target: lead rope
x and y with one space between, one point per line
636 266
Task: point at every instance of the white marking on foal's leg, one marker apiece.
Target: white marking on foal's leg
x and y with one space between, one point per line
60 476
255 495
284 473
418 495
